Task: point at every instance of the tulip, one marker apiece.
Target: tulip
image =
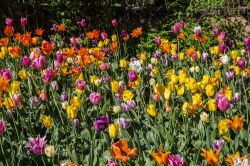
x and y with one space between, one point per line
76 122
222 103
216 31
175 160
82 23
64 96
223 36
158 40
38 63
124 123
218 144
2 127
24 21
114 23
116 109
50 151
34 101
37 145
47 75
112 163
101 123
113 130
241 63
197 31
26 61
132 76
95 98
9 22
175 28
6 74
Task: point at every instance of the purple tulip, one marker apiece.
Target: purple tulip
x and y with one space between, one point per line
26 61
157 54
197 31
175 160
64 96
37 145
101 123
112 163
24 21
54 85
104 35
105 78
131 104
229 76
222 103
6 74
124 33
165 59
76 122
246 42
9 22
47 75
174 57
132 76
82 23
124 123
34 101
205 56
241 63
223 36
81 84
223 48
118 96
2 127
38 63
125 107
54 27
175 28
218 144
158 40
95 98
216 31
181 25
114 23
237 96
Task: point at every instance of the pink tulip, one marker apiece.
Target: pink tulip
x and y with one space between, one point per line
95 98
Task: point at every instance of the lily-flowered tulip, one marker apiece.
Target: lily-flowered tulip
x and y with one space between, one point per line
122 152
160 157
175 160
237 123
37 145
211 157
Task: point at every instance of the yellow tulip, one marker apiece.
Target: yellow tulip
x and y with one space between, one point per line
151 110
113 130
211 105
23 75
127 95
47 121
115 86
209 90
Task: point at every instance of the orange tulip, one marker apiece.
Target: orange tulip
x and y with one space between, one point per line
181 36
190 52
4 85
98 54
46 48
26 39
39 31
237 123
15 52
9 31
122 152
83 51
61 27
211 157
114 46
70 52
166 47
18 37
160 157
136 32
230 159
4 42
34 40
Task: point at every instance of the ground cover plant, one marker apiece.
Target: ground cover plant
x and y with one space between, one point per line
174 97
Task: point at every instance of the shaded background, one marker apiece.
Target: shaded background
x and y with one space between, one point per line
99 13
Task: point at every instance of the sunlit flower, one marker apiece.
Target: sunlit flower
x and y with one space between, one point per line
160 157
37 145
236 124
122 152
211 157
